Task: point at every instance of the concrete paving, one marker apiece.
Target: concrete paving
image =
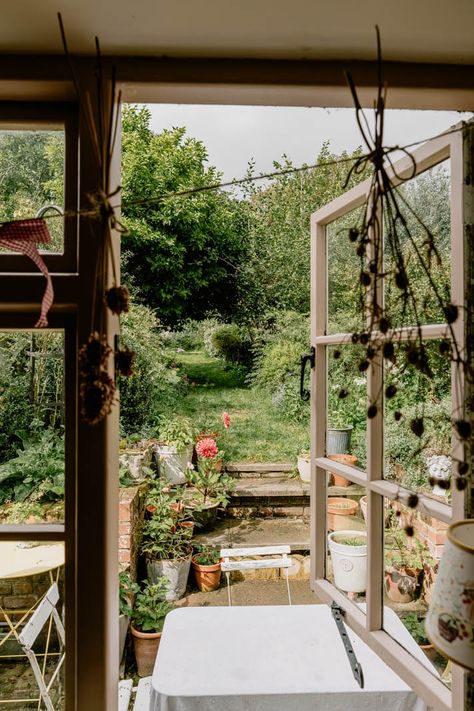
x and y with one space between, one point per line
237 533
253 592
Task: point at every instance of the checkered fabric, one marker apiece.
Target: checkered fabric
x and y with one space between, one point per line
23 236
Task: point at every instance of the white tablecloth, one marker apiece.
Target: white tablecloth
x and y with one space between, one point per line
18 560
269 659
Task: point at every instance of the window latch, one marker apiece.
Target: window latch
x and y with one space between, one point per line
307 358
338 614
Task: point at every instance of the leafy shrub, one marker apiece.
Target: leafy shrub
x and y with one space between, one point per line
156 384
231 342
189 337
37 472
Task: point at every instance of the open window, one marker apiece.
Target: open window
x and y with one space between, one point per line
390 467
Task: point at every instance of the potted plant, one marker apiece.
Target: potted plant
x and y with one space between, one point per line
135 458
304 465
403 567
416 628
349 560
339 432
210 485
206 564
174 451
127 590
148 617
166 545
339 508
348 459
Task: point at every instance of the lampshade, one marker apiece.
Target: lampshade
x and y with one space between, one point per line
449 623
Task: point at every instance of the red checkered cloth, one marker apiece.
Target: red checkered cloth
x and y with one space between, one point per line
23 236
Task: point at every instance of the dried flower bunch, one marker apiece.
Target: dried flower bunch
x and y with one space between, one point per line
384 344
101 115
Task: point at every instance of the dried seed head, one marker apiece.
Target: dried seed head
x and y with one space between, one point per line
372 411
390 391
118 299
451 312
388 351
365 279
353 234
355 338
336 354
384 324
463 428
397 415
461 484
364 338
417 426
124 361
463 468
412 502
343 393
410 531
363 365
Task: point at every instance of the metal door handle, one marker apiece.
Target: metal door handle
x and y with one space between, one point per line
306 358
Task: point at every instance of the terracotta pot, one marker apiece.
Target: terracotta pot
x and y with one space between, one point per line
189 526
402 585
349 459
146 647
338 509
177 507
208 577
151 508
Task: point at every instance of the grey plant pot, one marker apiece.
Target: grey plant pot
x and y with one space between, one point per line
339 440
177 572
123 629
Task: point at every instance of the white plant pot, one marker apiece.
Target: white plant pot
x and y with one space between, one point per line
349 562
172 464
177 572
304 468
135 461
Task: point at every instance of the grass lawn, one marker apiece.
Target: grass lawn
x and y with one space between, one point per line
257 432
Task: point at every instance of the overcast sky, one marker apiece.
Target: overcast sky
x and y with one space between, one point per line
235 134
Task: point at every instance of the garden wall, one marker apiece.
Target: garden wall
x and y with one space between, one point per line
131 512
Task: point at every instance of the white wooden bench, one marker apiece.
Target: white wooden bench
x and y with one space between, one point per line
246 563
142 698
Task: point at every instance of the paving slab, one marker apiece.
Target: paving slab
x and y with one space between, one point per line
252 592
237 533
249 467
264 488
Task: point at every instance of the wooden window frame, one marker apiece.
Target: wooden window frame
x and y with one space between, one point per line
43 117
369 624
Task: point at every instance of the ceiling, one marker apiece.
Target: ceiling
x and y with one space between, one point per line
412 30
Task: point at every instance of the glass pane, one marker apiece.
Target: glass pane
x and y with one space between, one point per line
345 313
27 571
424 204
411 565
32 170
347 404
346 563
31 427
411 460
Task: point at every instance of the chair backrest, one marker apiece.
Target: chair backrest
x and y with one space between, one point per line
245 562
29 634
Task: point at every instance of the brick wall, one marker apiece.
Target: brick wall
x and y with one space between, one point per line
21 593
131 511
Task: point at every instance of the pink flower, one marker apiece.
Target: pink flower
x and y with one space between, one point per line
226 420
207 448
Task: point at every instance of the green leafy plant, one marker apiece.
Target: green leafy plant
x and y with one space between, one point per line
211 485
351 541
150 609
401 555
127 590
206 555
37 472
163 536
177 432
416 627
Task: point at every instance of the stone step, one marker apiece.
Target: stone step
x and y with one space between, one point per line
263 497
246 470
233 533
281 487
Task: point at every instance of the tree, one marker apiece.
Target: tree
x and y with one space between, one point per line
180 253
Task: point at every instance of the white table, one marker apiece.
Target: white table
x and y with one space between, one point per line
271 658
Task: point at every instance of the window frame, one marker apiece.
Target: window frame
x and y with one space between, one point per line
30 116
369 624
